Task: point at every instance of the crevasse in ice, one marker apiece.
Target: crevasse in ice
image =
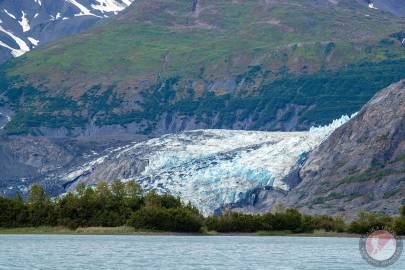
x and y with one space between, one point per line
214 167
210 168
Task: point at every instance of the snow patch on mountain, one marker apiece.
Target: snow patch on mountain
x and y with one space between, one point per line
4 119
110 5
83 10
34 41
9 14
371 5
25 24
22 46
28 23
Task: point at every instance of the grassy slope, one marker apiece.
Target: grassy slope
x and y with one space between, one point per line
240 32
220 40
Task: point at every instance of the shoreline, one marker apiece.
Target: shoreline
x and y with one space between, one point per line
129 231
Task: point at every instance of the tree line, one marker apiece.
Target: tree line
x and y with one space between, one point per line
126 203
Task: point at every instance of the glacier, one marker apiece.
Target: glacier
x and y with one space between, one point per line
209 168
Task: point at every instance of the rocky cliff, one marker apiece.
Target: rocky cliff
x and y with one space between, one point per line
360 166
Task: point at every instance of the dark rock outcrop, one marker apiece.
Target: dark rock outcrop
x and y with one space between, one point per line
28 160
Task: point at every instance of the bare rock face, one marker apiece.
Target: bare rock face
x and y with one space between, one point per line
28 160
362 164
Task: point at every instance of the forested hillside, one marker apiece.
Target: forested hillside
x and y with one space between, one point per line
267 65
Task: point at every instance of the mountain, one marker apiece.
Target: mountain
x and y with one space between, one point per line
352 164
26 24
360 166
252 65
85 108
209 168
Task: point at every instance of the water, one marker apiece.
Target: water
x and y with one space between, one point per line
33 252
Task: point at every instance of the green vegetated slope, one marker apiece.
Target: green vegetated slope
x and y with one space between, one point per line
263 64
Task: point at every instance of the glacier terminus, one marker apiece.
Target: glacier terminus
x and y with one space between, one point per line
209 168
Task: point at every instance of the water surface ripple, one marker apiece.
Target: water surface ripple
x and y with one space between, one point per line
180 252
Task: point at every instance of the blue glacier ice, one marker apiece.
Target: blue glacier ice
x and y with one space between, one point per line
208 168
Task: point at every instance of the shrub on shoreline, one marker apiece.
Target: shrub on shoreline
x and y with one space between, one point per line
126 204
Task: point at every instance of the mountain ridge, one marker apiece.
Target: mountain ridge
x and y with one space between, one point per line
148 74
27 24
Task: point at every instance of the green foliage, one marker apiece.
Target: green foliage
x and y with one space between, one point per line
153 218
372 174
134 44
13 212
166 213
104 205
308 224
365 223
328 223
399 225
282 220
122 204
370 221
37 196
321 96
152 199
324 96
290 44
291 220
180 219
40 207
236 222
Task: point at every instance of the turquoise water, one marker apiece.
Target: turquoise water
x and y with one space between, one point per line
33 252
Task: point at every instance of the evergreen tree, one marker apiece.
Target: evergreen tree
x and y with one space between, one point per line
20 211
134 195
67 211
125 203
40 207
